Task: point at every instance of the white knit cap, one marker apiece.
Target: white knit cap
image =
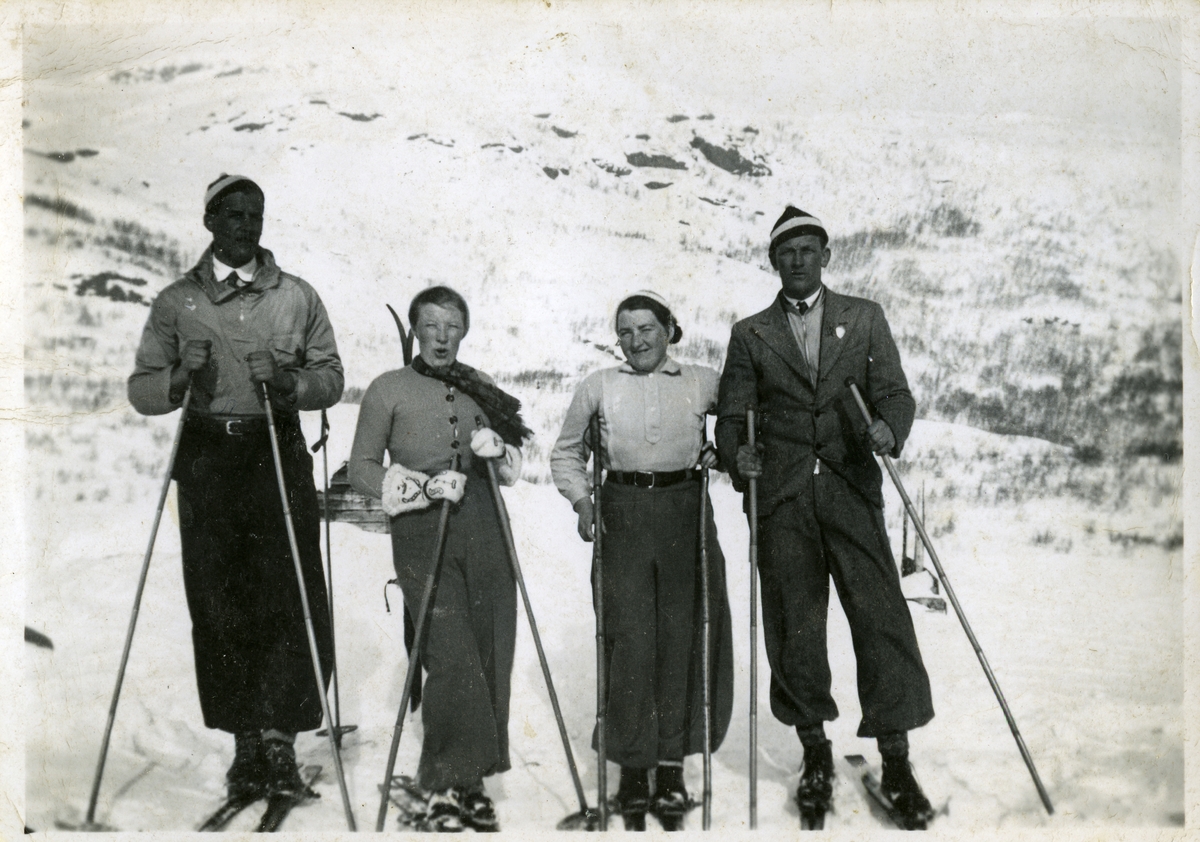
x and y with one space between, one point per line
221 184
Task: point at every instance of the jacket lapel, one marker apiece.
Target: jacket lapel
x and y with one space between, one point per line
771 326
838 314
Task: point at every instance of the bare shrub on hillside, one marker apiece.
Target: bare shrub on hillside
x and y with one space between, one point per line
78 393
700 350
61 207
136 240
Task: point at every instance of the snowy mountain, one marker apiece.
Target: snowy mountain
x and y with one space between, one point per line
1026 263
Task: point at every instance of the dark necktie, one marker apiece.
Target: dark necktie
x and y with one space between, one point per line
802 307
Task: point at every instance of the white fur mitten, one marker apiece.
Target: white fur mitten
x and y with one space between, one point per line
509 471
487 444
448 485
404 490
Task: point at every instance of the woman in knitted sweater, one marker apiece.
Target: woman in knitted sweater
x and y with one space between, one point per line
437 420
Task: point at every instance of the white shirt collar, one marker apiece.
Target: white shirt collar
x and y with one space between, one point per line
810 301
667 366
245 272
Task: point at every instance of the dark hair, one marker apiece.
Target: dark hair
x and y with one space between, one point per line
441 296
664 316
242 185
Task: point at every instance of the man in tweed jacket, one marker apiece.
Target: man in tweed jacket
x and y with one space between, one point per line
820 505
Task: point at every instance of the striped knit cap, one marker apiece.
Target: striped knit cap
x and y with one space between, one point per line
795 223
225 185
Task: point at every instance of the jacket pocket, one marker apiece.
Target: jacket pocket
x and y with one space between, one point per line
288 349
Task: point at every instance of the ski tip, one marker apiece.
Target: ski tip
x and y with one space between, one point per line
856 760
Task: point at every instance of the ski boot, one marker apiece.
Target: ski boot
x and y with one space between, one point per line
671 802
633 798
283 776
443 812
479 811
815 792
246 779
900 787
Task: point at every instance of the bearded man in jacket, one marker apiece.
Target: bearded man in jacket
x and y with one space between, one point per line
820 506
232 325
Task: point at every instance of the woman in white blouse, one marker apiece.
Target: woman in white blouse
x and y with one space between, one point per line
652 419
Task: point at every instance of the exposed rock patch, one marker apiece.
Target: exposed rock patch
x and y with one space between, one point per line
112 286
729 160
665 162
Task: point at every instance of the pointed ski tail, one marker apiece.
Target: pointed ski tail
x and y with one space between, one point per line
406 336
227 812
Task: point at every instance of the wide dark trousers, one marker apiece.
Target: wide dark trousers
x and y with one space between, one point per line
653 625
468 645
253 665
832 531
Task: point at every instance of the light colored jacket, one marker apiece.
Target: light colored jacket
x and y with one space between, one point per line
276 311
648 422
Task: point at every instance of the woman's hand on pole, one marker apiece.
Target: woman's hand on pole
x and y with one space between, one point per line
708 456
448 485
587 519
486 443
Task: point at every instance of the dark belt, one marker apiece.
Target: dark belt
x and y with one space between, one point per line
652 479
252 425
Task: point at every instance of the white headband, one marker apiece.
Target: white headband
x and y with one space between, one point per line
653 296
795 222
220 184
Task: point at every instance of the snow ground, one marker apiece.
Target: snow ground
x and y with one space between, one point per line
1085 645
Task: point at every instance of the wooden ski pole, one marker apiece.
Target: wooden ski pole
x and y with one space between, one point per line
753 514
323 446
962 618
90 821
431 580
337 702
586 815
601 647
706 648
308 623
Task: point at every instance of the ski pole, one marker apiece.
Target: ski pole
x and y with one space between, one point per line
322 445
753 514
962 618
706 648
601 648
308 623
431 580
137 602
337 702
585 813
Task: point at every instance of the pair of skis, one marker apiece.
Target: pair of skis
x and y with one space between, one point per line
278 807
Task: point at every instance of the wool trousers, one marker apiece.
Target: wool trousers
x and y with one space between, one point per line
831 531
469 641
254 668
653 629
